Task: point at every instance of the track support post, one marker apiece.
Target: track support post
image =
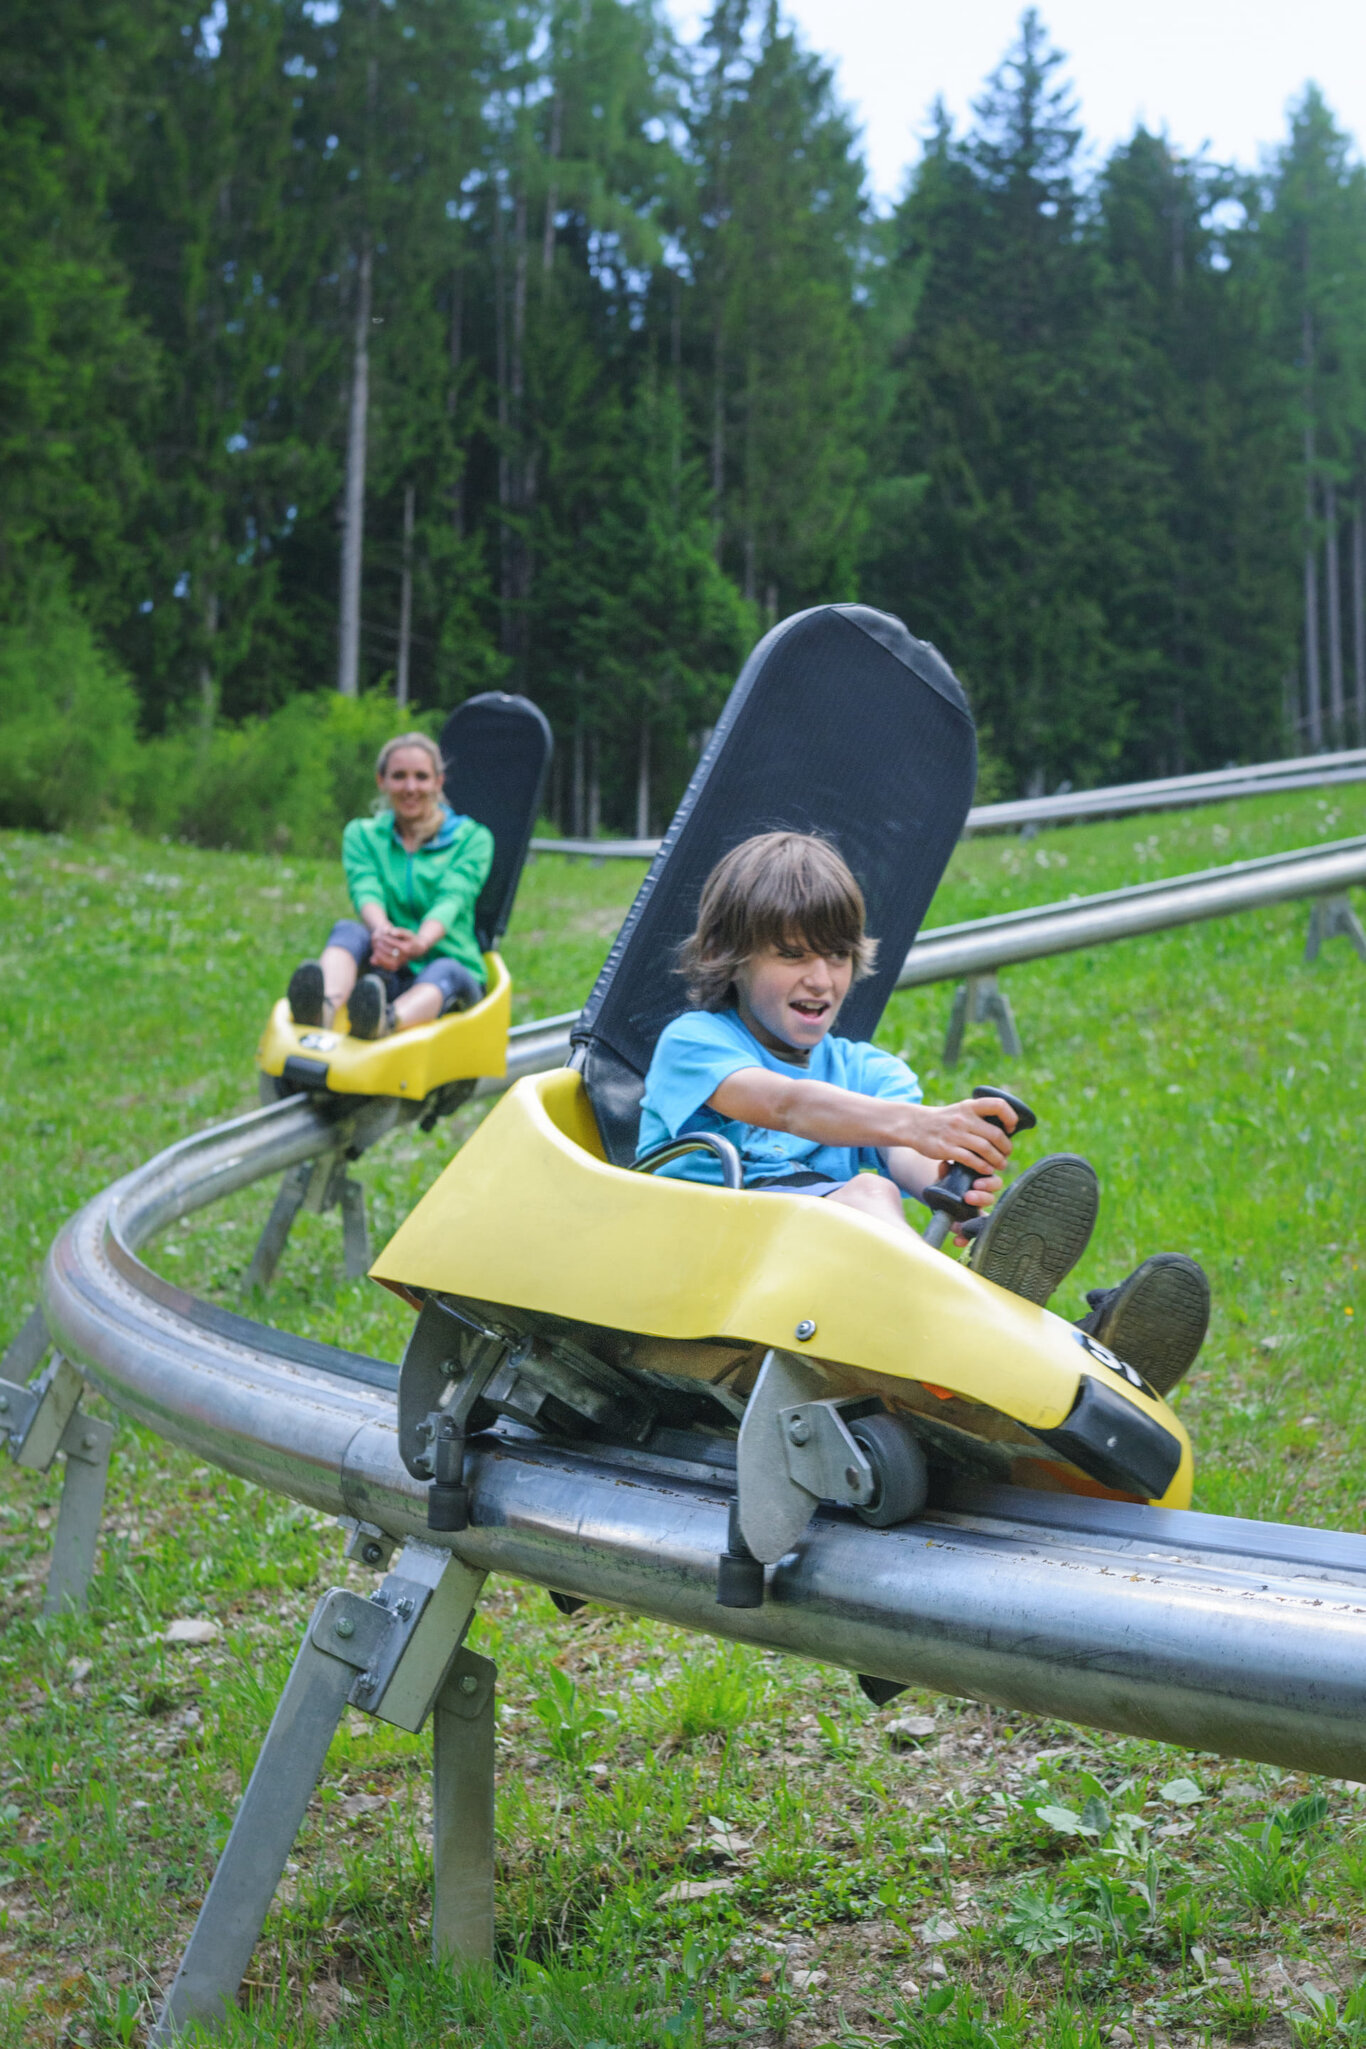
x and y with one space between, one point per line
981 1000
317 1185
1332 917
462 1813
42 1419
389 1656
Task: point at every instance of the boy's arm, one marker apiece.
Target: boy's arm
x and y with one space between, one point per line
834 1116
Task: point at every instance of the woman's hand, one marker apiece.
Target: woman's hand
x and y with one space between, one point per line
386 946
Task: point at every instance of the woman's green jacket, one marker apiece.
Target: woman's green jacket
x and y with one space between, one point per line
441 879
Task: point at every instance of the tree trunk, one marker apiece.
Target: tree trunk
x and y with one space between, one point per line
1333 578
405 599
594 789
643 782
208 681
552 197
576 824
457 348
353 513
1359 609
504 463
718 441
1313 682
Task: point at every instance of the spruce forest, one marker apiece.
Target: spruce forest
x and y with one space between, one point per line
362 350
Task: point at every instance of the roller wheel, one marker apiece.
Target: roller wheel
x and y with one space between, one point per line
893 1451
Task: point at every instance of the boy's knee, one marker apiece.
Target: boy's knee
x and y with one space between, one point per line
871 1194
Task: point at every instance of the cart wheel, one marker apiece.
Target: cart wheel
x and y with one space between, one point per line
898 1463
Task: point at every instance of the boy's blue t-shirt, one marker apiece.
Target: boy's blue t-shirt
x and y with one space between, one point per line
697 1052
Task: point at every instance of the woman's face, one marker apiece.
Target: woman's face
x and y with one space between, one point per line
410 783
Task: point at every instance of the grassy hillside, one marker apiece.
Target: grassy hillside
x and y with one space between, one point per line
883 1885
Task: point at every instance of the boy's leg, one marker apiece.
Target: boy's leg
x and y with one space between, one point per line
1040 1227
873 1196
1155 1320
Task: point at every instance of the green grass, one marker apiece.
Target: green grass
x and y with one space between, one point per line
932 1890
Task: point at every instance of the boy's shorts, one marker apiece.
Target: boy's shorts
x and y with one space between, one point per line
794 1184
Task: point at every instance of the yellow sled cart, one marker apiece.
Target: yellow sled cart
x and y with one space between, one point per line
497 751
819 1355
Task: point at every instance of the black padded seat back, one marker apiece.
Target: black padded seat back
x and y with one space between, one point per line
841 723
497 750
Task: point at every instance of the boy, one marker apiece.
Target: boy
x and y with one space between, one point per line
779 941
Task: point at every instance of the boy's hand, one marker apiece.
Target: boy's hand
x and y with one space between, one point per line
981 1195
960 1131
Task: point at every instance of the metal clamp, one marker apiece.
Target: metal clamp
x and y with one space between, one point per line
822 1454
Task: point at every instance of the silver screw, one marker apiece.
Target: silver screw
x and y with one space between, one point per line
373 1553
798 1429
851 1476
468 1683
4 1403
404 1609
344 1626
88 1442
805 1329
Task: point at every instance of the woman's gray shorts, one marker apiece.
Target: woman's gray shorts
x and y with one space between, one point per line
459 988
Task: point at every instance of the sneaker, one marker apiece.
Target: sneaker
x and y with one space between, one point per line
1155 1321
1039 1228
369 1009
308 1004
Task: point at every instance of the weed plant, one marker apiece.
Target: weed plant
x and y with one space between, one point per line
697 1844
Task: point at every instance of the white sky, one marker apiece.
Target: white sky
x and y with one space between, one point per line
1216 71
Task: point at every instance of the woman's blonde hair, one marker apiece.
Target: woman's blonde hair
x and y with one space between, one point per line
778 889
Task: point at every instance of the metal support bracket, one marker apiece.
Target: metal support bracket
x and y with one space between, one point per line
1332 917
794 1451
86 1444
42 1420
822 1456
981 1000
278 1225
390 1656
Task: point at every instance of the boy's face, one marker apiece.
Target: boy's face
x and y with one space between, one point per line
789 997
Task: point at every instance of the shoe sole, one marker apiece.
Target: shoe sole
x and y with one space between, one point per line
306 995
366 1009
1040 1227
1159 1318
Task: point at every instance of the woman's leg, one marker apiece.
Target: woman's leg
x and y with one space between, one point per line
344 957
441 986
418 1005
873 1195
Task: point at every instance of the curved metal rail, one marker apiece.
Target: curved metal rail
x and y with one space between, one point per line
1117 800
1244 1638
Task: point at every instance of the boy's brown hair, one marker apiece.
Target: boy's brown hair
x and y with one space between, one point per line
778 889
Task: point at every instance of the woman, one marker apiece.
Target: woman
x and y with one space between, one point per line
414 871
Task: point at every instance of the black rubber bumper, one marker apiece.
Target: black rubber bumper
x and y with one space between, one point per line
1115 1443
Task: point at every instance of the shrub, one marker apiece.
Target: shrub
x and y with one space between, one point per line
68 717
286 782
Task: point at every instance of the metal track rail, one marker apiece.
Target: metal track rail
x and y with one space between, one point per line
1166 793
1243 1638
982 946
